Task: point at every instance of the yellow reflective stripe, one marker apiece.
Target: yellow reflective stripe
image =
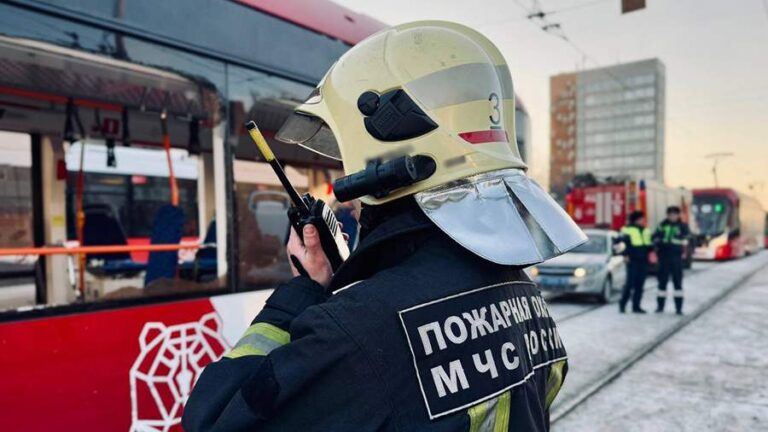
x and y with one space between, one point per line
269 331
491 415
477 415
554 382
667 233
502 413
244 350
259 339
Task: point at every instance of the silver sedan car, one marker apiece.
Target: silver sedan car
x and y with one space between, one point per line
595 268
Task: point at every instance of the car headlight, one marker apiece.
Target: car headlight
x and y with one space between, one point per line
580 272
533 271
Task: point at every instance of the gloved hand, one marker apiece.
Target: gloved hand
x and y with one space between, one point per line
310 255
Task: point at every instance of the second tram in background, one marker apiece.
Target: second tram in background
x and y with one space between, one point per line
731 224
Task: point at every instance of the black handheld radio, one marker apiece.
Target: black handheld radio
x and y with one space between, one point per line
305 209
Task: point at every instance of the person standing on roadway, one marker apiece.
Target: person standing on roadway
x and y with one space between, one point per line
638 245
671 239
431 324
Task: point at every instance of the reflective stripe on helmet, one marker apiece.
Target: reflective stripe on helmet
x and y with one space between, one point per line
461 84
486 136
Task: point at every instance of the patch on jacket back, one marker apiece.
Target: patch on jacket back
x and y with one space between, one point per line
472 346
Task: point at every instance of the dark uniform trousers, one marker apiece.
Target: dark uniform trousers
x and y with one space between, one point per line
637 270
420 335
670 265
671 238
638 241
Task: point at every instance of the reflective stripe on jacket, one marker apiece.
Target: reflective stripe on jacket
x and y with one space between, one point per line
671 237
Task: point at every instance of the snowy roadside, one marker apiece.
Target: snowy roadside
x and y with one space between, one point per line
601 342
709 376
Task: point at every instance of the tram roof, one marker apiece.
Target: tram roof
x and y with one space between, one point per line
322 16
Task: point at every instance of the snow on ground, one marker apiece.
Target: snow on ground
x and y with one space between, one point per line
709 376
599 341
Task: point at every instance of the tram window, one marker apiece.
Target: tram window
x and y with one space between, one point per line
261 201
134 199
17 285
240 31
262 224
256 95
122 205
208 74
22 23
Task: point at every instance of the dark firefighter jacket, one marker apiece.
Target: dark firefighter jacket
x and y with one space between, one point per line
638 242
671 237
423 336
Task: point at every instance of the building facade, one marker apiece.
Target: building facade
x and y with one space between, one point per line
562 153
608 122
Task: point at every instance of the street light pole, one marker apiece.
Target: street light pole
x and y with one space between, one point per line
717 157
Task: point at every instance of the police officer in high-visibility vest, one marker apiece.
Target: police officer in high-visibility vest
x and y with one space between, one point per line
639 243
431 324
671 238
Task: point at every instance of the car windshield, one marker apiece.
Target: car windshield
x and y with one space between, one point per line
596 244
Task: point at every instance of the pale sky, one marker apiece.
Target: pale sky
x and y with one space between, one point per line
715 53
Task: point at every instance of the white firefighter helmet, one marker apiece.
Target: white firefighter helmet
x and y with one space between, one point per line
443 92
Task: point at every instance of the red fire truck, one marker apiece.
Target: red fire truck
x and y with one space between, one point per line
608 204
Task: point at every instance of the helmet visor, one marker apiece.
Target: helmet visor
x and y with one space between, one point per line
311 133
502 216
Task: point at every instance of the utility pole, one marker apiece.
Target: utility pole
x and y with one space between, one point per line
717 157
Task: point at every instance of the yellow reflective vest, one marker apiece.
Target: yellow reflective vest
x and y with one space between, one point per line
637 236
638 241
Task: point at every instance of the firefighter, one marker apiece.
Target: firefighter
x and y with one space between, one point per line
431 323
671 239
638 241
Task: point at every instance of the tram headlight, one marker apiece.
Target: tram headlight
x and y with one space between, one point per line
580 272
533 271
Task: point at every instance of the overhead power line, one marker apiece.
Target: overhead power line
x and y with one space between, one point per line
540 13
539 18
